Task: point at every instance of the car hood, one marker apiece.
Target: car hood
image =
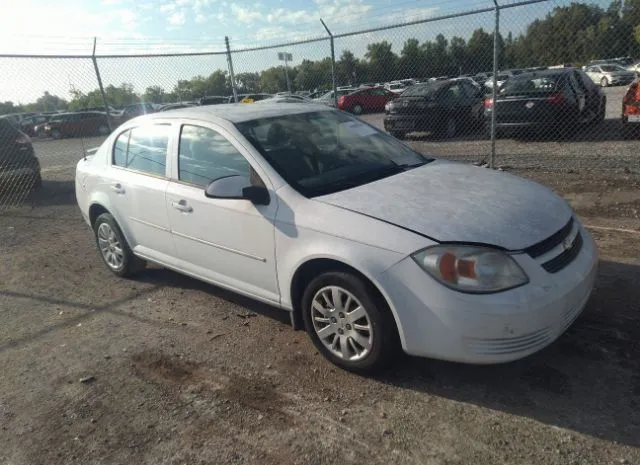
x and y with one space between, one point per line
454 202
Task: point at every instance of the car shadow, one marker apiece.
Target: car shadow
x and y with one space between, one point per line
164 277
588 381
51 193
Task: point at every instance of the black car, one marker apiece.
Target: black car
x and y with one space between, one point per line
443 107
19 165
554 101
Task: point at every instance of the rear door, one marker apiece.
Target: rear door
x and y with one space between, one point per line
137 186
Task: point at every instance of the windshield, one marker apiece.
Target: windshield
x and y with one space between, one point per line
611 68
322 152
423 90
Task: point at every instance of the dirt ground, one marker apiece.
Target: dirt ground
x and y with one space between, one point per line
166 370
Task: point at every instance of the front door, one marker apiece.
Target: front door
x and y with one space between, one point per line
227 241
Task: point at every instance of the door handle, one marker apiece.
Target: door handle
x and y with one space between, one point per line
182 206
117 188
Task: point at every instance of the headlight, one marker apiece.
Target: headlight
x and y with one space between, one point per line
471 269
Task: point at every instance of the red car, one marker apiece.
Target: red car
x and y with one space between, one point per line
631 111
82 123
366 99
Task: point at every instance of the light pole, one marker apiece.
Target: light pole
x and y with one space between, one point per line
286 57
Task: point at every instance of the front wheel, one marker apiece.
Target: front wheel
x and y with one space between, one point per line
113 247
56 134
348 324
356 109
103 130
604 82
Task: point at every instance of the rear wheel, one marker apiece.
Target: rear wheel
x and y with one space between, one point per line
628 132
103 130
604 82
449 129
356 109
56 134
347 323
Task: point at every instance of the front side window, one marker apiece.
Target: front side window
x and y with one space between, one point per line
143 149
322 152
205 155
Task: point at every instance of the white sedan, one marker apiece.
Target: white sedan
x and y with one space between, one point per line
370 245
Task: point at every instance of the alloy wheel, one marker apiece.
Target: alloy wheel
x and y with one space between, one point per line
110 247
342 323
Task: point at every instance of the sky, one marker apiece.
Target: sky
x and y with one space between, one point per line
67 27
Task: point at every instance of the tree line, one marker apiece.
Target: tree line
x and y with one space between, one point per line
570 34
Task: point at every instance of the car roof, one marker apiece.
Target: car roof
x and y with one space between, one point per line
240 112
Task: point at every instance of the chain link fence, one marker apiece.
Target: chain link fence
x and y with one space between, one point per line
427 79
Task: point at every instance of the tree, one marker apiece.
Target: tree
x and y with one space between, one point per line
382 61
248 82
412 59
47 102
9 107
274 80
154 94
347 68
313 74
480 51
458 55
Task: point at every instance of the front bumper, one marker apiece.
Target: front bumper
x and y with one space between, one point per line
620 80
435 321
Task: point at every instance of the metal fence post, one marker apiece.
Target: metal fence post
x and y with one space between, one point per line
494 91
333 65
231 75
104 97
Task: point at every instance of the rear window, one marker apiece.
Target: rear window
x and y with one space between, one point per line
423 90
532 84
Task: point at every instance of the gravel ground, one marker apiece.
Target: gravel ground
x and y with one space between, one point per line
163 369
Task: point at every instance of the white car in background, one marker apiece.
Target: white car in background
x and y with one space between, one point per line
372 245
610 74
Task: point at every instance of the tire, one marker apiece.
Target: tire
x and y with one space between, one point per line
108 234
36 181
449 129
56 134
356 109
604 82
627 132
103 130
602 111
378 345
398 134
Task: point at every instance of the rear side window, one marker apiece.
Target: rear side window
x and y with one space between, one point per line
143 149
205 155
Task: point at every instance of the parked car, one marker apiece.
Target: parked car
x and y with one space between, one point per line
287 98
317 94
327 98
635 67
83 123
175 106
19 165
251 98
366 100
631 111
610 75
32 126
502 77
442 107
396 87
372 246
134 110
555 101
620 61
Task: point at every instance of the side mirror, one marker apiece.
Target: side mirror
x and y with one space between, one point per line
239 188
